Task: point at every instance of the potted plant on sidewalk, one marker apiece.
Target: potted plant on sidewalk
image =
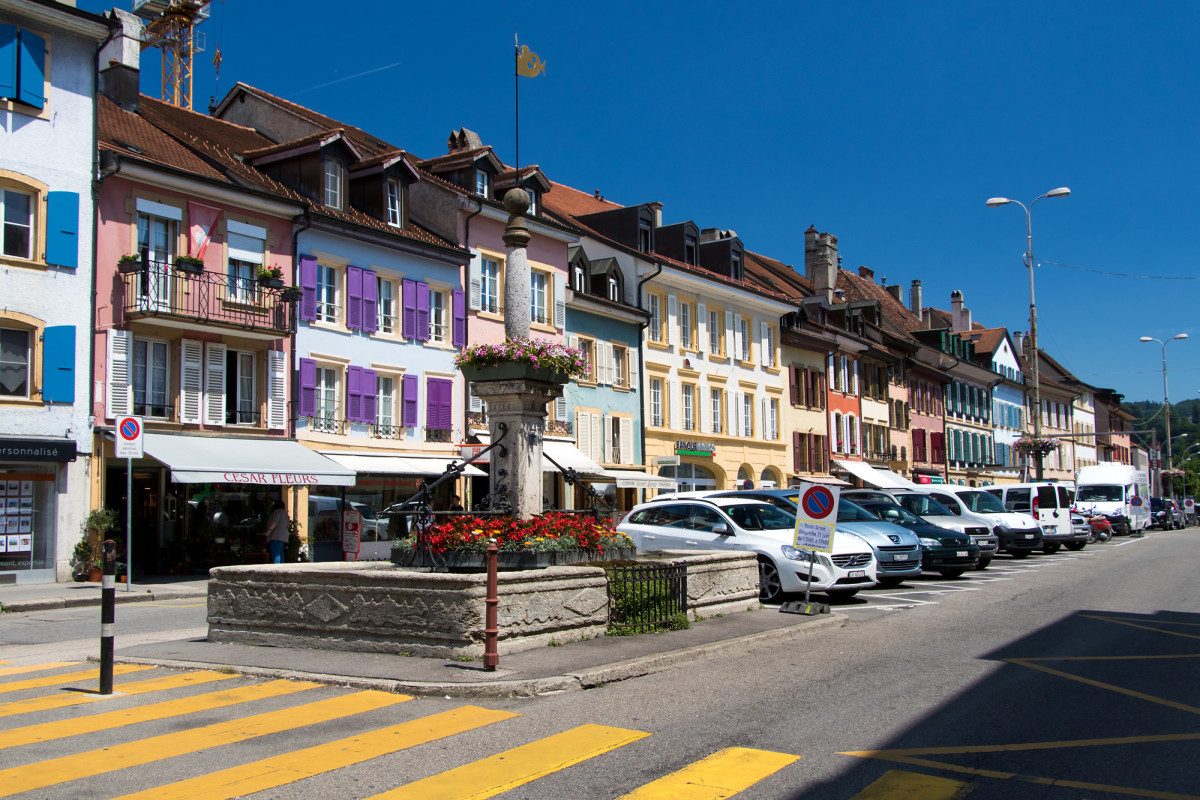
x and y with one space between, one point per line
90 549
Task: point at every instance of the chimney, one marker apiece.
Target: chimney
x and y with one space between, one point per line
120 61
1018 340
866 272
915 298
896 291
463 139
820 262
960 315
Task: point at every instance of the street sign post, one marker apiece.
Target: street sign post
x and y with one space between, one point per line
129 446
816 514
351 533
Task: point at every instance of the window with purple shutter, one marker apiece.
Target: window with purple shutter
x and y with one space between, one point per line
354 394
308 283
370 306
437 412
408 412
408 296
369 394
354 293
459 302
423 312
308 387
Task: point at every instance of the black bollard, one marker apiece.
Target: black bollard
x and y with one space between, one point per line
108 604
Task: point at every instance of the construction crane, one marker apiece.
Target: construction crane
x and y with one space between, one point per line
170 26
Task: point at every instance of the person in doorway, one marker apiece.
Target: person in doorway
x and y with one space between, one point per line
455 503
278 532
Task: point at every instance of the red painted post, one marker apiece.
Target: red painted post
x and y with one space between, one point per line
491 654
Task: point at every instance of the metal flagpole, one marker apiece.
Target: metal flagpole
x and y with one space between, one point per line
517 107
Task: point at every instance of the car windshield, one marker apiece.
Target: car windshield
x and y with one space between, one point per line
890 512
924 506
1100 493
851 512
760 517
981 502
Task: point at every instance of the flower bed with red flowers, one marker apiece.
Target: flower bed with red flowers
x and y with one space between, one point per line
553 532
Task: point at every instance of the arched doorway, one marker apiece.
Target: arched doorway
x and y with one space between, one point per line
690 477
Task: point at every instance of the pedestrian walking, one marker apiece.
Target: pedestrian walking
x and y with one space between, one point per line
278 532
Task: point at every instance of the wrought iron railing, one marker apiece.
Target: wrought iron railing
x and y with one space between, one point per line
646 598
157 289
439 435
388 431
559 427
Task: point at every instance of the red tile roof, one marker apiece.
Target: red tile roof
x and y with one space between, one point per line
128 133
574 203
176 120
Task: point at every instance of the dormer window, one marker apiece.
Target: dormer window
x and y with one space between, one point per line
334 172
395 203
483 183
533 201
644 238
614 288
577 278
690 252
735 266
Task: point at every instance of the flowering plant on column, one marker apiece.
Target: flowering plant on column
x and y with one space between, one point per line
541 354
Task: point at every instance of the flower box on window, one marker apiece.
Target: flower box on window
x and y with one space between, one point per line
271 277
189 264
129 264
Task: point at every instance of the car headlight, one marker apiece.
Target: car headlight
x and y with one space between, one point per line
796 554
930 543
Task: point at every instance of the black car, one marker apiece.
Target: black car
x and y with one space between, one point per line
947 552
1165 514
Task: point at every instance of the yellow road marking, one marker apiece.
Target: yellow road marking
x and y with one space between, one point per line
146 751
290 767
1116 621
1101 685
489 777
1103 658
67 677
61 729
900 785
75 698
721 775
1023 746
36 667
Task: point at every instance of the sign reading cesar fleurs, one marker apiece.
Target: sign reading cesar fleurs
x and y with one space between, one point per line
695 449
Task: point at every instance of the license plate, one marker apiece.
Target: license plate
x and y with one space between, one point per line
901 557
857 573
1029 536
962 553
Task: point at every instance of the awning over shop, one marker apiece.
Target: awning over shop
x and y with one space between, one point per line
243 459
879 478
400 465
828 480
638 479
565 453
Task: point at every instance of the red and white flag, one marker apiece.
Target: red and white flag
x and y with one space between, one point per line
202 220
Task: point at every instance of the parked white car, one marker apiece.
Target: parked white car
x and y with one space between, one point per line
731 523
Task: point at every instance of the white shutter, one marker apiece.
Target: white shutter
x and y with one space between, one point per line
606 443
560 409
731 412
560 300
627 441
475 402
703 409
610 365
118 399
701 330
672 320
632 361
858 434
595 422
728 333
854 388
475 283
763 429
191 380
583 432
764 348
276 390
673 392
214 384
737 413
601 376
737 337
573 343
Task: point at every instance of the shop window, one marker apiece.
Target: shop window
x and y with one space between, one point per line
15 358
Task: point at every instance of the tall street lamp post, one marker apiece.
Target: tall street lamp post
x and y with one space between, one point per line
994 202
1166 402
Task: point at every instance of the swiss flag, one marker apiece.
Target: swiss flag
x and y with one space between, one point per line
202 220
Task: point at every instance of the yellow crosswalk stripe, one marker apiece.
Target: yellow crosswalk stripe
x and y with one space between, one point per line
900 785
75 698
35 667
145 751
520 765
290 767
67 677
721 775
61 729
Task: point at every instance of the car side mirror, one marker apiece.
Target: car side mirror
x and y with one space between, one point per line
721 529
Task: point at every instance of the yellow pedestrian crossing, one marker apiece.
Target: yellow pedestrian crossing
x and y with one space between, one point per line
520 765
900 785
721 775
35 667
78 697
68 677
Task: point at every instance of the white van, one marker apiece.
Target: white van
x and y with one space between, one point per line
1019 534
1119 492
1047 502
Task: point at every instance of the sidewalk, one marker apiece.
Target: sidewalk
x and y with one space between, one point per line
44 596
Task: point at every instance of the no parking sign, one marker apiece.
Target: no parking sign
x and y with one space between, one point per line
816 514
129 437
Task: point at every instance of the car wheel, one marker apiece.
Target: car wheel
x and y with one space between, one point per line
1019 553
1076 546
890 583
841 594
983 563
1051 549
769 587
951 573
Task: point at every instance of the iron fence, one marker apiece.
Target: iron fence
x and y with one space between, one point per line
646 597
159 290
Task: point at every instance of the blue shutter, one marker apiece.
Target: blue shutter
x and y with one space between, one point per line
58 364
32 69
62 229
8 61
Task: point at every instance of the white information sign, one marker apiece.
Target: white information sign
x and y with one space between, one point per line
129 437
816 516
351 531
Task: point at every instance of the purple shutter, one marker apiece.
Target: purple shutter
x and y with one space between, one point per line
308 283
370 305
354 298
437 411
354 394
446 402
408 413
408 295
459 302
423 312
308 387
369 393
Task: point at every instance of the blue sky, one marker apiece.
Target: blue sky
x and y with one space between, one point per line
887 124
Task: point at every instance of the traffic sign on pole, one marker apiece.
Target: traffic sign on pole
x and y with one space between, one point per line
129 437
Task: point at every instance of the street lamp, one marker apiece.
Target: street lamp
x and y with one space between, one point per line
994 202
1166 402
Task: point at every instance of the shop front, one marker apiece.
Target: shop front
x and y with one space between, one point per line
33 476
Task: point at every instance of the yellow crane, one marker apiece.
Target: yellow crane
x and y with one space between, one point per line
170 26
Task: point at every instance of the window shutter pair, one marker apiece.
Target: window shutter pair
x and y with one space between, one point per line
58 364
362 302
439 402
308 284
191 381
22 66
415 295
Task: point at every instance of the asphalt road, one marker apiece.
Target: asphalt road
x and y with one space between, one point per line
1068 676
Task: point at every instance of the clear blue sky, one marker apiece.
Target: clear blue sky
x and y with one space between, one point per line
888 124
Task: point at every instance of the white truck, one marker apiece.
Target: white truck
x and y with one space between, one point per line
1119 492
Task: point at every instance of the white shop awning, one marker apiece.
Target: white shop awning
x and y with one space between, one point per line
243 459
564 452
638 479
400 465
879 478
828 480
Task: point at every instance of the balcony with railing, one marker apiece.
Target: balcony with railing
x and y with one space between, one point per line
161 291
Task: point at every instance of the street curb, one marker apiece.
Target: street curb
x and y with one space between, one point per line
570 682
78 602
